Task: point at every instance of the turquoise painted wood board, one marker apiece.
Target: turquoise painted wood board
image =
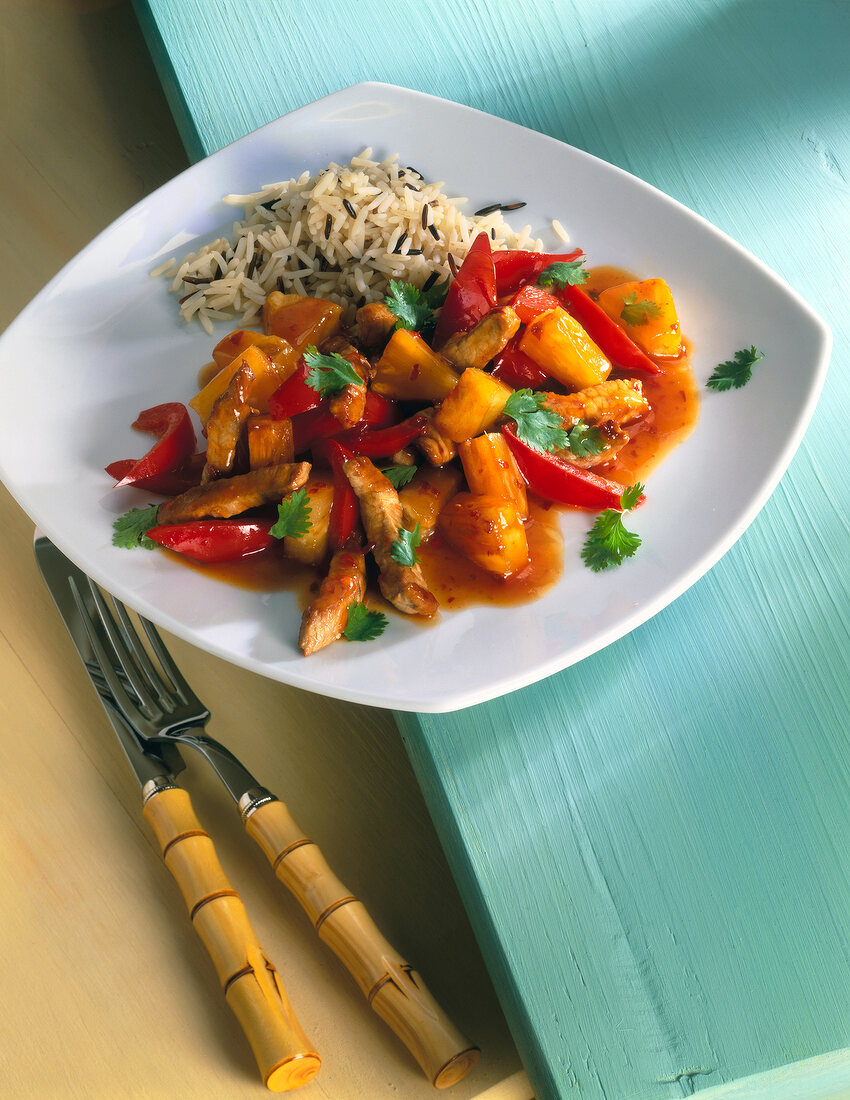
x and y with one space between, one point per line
653 844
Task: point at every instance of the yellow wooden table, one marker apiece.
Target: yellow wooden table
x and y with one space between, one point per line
106 989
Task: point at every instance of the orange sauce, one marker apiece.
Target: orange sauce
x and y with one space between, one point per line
674 399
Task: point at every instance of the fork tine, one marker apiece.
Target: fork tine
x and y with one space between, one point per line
123 658
134 643
102 660
170 669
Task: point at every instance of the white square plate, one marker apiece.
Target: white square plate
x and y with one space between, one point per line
102 341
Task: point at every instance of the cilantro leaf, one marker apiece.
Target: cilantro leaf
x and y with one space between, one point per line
563 274
608 543
535 425
328 374
403 550
736 372
630 496
638 312
130 530
364 625
584 439
411 310
293 516
399 475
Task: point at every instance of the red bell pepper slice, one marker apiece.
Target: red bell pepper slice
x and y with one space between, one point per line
171 483
472 294
215 540
175 435
515 267
320 423
553 478
612 341
516 368
385 441
294 395
530 301
345 509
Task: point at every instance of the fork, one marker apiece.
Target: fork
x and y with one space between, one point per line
156 701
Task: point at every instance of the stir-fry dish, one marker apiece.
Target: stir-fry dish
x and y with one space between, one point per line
452 416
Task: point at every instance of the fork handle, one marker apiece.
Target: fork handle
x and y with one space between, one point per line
250 982
391 986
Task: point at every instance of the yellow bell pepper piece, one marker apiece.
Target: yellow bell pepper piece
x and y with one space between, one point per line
647 312
268 375
558 343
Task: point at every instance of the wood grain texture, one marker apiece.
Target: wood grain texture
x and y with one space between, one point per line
652 845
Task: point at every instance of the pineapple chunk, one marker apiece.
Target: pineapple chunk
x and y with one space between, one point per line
301 321
425 496
558 344
269 441
473 406
410 371
491 470
488 530
312 547
268 375
647 312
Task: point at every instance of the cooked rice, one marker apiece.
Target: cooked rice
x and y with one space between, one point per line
300 237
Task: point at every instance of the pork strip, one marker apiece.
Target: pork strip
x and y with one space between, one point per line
478 346
326 617
233 495
224 424
380 509
375 324
349 404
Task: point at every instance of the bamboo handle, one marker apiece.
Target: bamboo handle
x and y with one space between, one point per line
391 986
251 984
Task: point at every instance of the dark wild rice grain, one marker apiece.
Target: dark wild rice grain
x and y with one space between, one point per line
485 210
349 208
328 224
434 231
514 205
429 282
452 264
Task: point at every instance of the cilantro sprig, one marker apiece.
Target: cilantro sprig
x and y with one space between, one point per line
328 374
403 550
638 312
399 476
735 372
130 530
536 425
414 308
585 440
608 543
364 625
561 274
293 516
